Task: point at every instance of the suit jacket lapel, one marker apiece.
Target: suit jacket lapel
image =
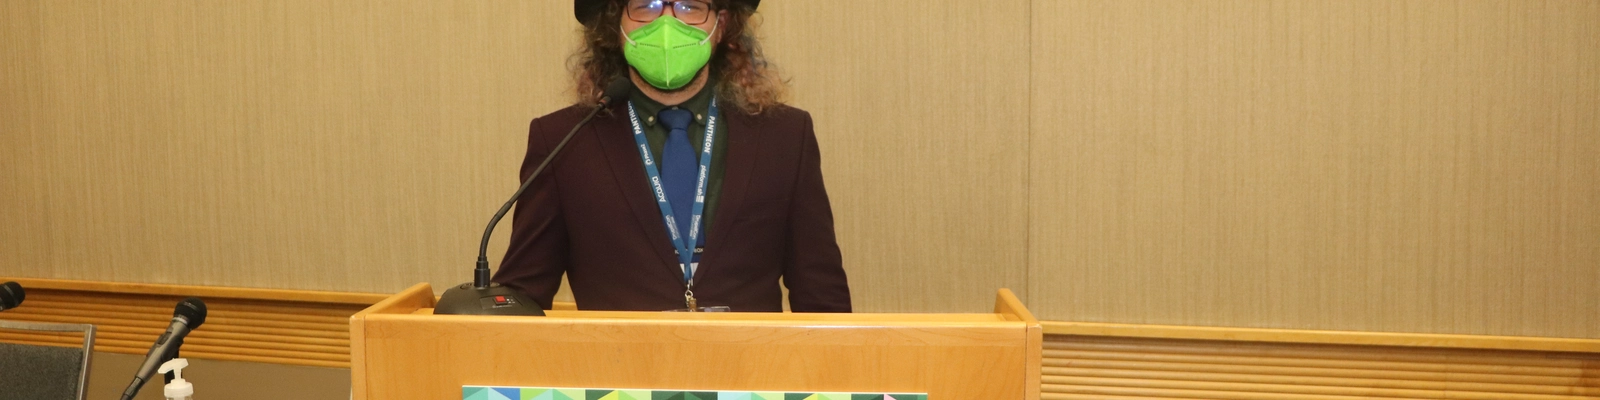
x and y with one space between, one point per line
616 142
744 150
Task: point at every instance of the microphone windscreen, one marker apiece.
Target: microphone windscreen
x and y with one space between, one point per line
11 295
618 89
193 310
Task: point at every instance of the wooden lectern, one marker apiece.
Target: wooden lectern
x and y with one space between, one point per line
400 350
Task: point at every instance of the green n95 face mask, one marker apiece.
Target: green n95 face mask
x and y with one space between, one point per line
667 52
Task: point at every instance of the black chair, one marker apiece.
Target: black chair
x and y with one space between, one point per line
41 372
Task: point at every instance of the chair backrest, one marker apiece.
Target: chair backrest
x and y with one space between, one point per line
36 371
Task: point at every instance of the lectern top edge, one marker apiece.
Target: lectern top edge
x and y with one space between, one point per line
399 350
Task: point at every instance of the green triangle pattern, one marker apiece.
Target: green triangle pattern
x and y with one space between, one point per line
535 394
474 393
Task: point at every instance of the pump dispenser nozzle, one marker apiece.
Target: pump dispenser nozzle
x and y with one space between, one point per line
179 389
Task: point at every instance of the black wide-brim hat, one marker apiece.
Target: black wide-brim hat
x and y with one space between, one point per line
586 10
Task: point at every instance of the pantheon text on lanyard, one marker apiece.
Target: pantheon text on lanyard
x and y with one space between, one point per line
685 245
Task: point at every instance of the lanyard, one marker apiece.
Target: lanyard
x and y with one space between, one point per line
684 244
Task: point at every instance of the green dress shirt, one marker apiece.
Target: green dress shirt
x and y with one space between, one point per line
656 134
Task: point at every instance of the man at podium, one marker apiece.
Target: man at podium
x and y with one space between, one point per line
700 192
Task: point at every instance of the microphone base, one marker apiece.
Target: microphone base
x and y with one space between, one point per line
466 299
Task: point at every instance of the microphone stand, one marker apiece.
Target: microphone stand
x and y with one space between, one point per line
483 297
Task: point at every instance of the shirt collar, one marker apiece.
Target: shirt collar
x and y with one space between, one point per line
700 104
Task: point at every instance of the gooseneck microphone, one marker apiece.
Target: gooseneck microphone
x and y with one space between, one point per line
11 296
482 297
187 316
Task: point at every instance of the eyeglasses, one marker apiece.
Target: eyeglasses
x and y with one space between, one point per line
692 12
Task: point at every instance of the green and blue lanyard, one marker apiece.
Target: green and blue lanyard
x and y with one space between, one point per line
684 245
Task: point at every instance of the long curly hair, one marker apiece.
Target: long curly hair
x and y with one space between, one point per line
745 80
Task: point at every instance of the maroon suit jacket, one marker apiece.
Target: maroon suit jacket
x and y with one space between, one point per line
593 217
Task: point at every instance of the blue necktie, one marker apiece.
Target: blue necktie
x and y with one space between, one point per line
678 167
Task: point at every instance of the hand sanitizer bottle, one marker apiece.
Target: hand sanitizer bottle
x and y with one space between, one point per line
179 389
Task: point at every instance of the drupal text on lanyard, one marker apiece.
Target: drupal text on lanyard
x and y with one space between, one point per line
686 246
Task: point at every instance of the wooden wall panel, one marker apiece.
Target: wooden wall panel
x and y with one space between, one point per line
252 325
1411 166
923 133
1087 367
232 380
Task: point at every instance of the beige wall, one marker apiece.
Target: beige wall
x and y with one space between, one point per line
1421 166
1364 165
